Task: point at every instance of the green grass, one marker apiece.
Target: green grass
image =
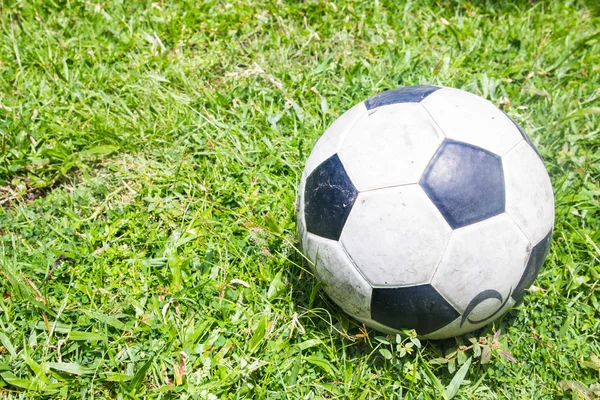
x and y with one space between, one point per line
149 157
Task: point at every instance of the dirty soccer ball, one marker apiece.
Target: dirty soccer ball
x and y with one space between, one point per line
425 208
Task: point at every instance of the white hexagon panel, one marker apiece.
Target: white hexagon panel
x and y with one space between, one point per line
481 268
328 144
300 222
390 146
396 236
467 118
529 195
344 282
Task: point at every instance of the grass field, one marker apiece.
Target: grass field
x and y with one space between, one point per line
149 157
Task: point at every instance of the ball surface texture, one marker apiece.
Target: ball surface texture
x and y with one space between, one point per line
425 208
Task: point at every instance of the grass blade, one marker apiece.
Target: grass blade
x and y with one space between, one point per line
139 376
433 379
107 319
324 365
71 368
258 335
581 113
7 344
77 335
11 379
454 385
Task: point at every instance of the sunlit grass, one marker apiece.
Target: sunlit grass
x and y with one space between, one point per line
149 156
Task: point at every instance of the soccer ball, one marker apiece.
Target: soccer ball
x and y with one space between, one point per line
425 208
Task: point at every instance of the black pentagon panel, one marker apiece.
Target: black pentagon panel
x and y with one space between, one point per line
328 198
524 136
420 308
465 182
408 94
534 265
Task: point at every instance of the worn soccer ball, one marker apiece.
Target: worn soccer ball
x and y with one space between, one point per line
425 208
